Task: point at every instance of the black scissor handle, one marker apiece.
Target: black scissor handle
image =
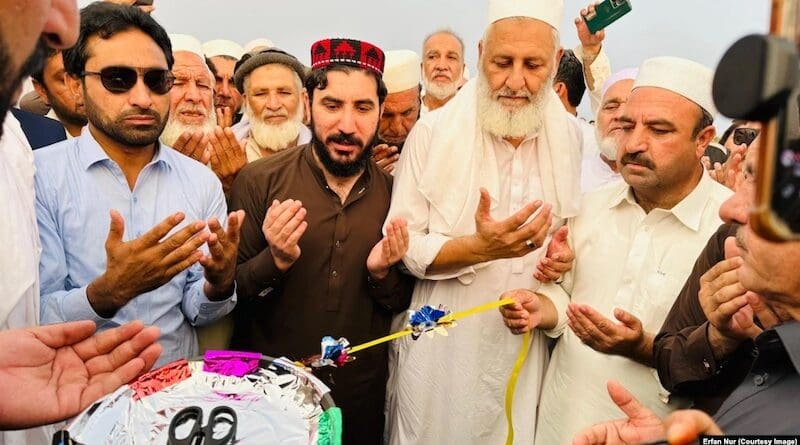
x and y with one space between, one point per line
189 414
221 414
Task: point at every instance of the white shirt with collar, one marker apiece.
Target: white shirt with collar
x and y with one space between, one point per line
19 236
628 259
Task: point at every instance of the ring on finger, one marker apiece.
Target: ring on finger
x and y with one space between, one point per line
530 244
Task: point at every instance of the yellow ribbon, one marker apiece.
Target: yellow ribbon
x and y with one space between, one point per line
512 384
449 318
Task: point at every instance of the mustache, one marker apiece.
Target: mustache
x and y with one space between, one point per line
140 112
740 239
508 92
344 139
193 108
637 158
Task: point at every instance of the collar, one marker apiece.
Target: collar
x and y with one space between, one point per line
789 334
90 152
689 211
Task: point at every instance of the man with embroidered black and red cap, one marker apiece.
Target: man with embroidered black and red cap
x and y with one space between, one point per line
312 260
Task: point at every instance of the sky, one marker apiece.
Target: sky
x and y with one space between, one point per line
700 30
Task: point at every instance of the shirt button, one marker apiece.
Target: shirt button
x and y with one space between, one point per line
334 274
338 244
760 379
135 199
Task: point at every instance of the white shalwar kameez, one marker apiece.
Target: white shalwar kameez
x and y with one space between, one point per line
445 390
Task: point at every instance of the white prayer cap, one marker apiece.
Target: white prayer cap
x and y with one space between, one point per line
185 42
258 43
548 11
401 71
626 74
685 77
221 47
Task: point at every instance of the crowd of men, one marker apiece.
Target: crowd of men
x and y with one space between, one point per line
233 197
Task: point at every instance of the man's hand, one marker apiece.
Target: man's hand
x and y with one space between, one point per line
728 173
726 304
195 145
511 237
224 117
283 226
684 426
51 373
641 425
145 263
558 259
220 264
626 338
385 156
528 312
227 156
389 250
145 8
591 43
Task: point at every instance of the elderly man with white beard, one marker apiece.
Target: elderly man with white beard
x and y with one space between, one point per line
482 183
271 82
442 68
192 125
599 169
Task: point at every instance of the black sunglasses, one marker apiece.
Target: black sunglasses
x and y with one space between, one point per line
120 79
744 135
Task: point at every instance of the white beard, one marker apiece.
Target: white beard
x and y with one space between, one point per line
175 128
275 137
608 145
504 123
440 92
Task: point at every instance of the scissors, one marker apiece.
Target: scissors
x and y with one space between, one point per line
203 434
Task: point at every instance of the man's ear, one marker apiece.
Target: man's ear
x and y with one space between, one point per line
559 54
560 89
41 91
74 84
480 49
306 108
704 138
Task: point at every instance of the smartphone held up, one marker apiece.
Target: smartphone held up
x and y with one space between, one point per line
606 13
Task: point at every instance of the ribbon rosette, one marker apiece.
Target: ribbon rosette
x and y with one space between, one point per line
428 320
334 352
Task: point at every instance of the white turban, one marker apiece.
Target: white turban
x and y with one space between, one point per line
221 47
185 42
626 74
685 77
258 43
401 71
548 11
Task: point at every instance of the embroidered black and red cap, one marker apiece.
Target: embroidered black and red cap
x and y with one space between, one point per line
349 52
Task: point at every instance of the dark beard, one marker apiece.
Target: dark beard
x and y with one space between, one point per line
338 169
118 130
9 81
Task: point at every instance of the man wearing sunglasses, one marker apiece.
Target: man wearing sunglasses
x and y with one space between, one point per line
166 258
